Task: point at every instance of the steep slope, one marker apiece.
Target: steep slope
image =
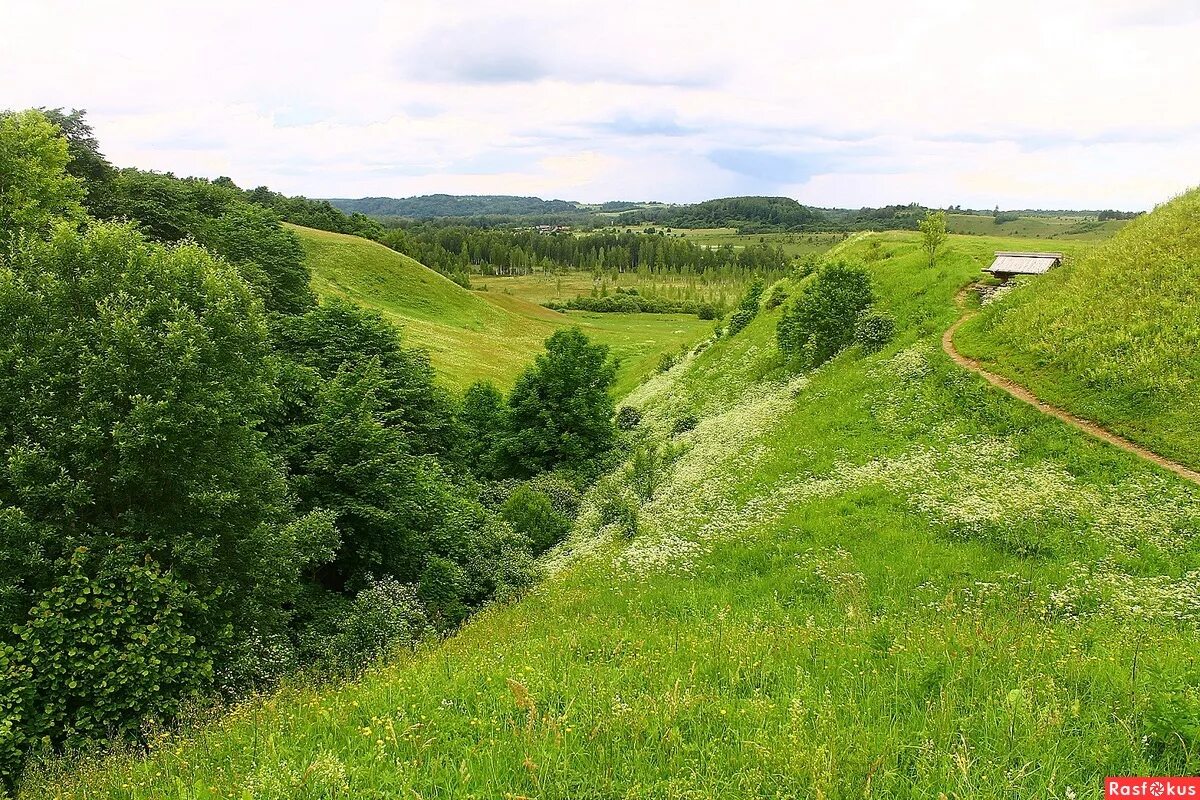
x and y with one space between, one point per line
474 335
1113 336
884 579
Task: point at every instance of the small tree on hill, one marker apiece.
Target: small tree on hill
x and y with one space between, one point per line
560 412
822 320
933 234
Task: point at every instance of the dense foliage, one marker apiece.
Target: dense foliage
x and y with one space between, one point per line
748 307
207 480
822 319
760 214
630 301
558 416
35 189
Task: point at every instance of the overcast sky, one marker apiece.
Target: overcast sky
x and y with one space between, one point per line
1016 103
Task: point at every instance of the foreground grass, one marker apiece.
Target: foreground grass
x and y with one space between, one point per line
1114 336
479 336
883 580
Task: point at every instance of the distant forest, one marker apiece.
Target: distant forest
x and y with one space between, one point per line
460 251
448 205
747 215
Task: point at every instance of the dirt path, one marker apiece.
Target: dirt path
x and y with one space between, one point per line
1021 393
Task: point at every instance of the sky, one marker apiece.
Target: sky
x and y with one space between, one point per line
1014 103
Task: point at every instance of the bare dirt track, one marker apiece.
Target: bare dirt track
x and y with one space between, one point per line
1021 393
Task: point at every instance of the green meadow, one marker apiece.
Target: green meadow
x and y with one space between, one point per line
479 335
1036 227
883 578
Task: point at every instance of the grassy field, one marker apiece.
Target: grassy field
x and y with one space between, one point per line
541 288
1036 227
1115 335
882 579
479 335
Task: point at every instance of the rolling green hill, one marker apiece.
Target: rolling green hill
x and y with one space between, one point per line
1036 226
881 579
1113 336
478 335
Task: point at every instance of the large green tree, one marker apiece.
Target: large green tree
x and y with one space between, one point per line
560 411
87 163
132 381
268 255
35 189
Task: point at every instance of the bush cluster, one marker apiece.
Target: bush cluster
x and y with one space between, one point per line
822 320
630 302
747 308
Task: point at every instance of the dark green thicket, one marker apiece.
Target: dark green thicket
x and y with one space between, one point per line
208 480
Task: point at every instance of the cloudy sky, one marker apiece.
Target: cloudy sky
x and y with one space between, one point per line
1016 103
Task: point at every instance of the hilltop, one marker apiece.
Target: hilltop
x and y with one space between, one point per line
883 578
1114 335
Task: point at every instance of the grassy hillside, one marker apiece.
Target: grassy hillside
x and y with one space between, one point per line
1113 336
1036 227
883 579
474 335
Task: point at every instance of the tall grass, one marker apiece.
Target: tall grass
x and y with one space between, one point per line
1115 335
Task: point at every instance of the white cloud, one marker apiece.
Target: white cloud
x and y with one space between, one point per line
1082 103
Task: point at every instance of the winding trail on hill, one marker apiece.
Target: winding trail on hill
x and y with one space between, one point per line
1021 393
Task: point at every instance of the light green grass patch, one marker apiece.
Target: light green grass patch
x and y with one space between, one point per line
474 336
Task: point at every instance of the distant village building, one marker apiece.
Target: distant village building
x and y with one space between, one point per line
1009 264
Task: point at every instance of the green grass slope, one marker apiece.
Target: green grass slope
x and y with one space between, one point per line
1115 335
475 335
1036 227
883 579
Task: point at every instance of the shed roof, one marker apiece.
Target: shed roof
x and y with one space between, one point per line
1011 263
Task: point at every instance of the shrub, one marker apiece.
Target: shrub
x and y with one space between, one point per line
441 590
873 331
667 361
776 297
616 503
382 617
532 514
707 311
108 646
821 321
648 468
684 424
747 308
563 493
628 418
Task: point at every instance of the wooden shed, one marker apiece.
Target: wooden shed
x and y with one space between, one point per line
1008 264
